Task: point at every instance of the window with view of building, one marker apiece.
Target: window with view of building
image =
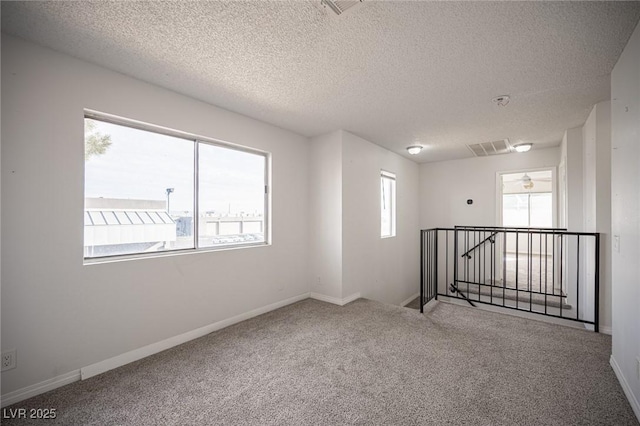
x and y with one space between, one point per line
148 190
387 204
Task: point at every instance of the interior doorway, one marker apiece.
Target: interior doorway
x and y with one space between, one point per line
527 199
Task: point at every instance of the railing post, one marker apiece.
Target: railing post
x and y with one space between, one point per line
422 271
455 259
596 319
435 267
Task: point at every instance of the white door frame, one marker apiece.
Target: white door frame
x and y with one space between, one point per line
554 191
554 204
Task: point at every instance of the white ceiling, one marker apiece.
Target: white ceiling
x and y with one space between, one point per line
394 73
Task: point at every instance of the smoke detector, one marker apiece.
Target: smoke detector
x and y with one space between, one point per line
339 6
502 100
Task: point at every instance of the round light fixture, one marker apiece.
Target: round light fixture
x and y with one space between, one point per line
523 147
414 149
527 183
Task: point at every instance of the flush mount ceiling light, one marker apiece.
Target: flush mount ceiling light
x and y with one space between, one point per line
414 149
523 147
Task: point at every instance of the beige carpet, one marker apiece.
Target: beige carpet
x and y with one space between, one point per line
367 363
535 273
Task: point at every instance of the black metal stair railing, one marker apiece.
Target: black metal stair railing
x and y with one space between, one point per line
547 271
490 238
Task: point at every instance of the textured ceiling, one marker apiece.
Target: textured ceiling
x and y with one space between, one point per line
394 73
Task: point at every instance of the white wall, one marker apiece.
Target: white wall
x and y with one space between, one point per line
573 144
445 187
625 184
61 315
596 179
325 219
572 188
383 269
348 256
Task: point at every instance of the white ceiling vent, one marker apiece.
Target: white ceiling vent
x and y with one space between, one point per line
490 148
339 6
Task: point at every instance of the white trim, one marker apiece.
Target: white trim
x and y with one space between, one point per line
123 359
635 405
388 175
554 191
154 348
604 329
335 300
349 299
38 388
409 300
512 312
324 298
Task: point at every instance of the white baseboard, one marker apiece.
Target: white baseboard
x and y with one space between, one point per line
635 405
349 299
335 300
38 388
128 357
513 312
154 348
409 300
604 329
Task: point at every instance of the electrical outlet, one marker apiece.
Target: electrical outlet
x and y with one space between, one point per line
638 369
616 243
8 359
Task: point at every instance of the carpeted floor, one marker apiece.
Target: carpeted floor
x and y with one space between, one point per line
364 363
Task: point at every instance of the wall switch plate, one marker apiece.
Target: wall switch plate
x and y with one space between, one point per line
616 243
9 359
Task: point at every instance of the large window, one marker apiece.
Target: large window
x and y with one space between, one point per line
387 204
148 190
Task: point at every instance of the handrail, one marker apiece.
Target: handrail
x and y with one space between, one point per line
489 238
541 275
509 228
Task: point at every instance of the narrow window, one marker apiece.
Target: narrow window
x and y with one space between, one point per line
148 190
387 204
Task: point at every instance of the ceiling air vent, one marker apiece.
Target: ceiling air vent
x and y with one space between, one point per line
339 6
490 148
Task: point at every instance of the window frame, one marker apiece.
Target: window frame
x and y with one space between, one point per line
197 140
392 177
554 191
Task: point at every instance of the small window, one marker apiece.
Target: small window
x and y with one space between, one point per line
153 190
387 204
